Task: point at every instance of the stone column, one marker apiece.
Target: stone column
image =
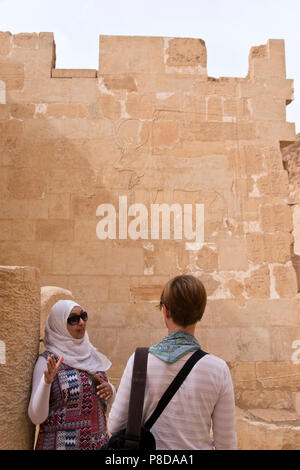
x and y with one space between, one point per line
20 301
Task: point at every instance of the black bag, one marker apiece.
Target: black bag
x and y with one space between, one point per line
136 436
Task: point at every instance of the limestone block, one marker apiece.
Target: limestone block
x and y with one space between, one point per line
223 86
275 130
255 344
71 111
267 109
182 52
285 280
282 340
89 288
268 60
118 344
165 133
296 227
5 230
146 293
118 82
276 217
26 40
253 397
27 183
20 320
12 73
296 401
59 206
278 375
73 73
214 108
243 374
119 289
20 209
258 284
41 90
110 107
139 106
270 87
207 259
130 54
55 230
86 181
23 230
250 160
96 259
49 296
258 430
22 111
4 110
232 255
27 253
273 247
5 43
224 343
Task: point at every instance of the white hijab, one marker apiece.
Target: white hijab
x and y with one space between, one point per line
77 353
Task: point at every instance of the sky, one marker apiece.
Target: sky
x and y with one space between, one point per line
228 27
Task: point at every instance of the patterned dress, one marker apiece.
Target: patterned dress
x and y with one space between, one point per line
76 419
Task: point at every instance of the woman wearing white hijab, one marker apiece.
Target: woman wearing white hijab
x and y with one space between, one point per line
70 385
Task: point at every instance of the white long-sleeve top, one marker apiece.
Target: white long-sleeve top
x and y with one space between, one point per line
204 400
38 409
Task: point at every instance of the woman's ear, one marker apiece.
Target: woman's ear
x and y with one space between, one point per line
166 312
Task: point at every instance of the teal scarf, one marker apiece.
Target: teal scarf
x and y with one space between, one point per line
175 345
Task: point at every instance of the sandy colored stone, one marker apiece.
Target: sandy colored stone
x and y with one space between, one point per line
74 73
232 255
22 111
5 42
20 319
130 54
110 107
186 52
26 40
119 82
27 183
150 125
258 284
12 73
285 281
257 434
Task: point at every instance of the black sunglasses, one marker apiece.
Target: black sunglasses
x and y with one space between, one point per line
75 319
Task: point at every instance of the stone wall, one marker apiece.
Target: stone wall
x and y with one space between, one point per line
20 303
150 125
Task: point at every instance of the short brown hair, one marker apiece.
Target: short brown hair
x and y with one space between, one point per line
185 297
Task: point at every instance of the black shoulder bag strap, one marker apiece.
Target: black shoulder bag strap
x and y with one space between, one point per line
174 386
136 403
138 383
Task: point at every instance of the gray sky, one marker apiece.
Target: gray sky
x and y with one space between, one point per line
228 27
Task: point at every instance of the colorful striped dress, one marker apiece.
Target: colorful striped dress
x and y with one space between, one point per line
76 419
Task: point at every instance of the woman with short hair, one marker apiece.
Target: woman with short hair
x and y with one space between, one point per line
205 400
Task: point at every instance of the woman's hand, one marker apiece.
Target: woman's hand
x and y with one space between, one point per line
104 389
52 368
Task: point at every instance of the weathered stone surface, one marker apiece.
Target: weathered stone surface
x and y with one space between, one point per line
151 126
272 430
186 52
20 320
